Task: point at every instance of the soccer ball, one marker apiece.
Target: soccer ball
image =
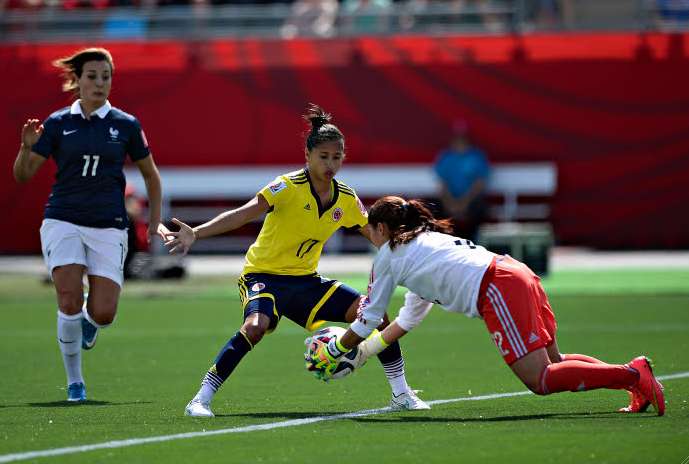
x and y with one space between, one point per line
347 364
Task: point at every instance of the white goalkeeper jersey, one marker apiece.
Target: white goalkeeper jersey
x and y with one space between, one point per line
435 268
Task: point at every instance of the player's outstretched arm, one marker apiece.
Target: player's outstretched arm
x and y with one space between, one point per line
181 241
27 162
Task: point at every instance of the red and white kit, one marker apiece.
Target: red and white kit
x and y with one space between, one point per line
465 278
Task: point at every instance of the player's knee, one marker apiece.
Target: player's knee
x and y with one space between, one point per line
254 333
102 313
70 301
535 387
104 318
534 383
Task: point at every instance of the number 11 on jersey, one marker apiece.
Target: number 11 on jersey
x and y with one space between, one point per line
87 161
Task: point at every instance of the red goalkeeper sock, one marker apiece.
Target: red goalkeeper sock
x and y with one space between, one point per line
581 357
579 376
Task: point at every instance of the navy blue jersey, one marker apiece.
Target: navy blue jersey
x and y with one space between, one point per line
90 154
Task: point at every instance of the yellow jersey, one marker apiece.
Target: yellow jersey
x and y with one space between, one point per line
297 226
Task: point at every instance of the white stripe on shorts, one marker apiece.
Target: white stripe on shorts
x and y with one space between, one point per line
509 316
506 328
506 320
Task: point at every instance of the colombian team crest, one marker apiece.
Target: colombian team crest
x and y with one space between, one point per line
258 286
337 214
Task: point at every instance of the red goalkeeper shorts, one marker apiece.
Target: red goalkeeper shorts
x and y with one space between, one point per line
515 308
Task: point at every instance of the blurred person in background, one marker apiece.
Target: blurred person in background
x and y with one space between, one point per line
137 232
311 18
366 16
549 14
671 14
463 173
302 209
84 230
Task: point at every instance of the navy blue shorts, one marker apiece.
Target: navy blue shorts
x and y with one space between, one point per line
309 300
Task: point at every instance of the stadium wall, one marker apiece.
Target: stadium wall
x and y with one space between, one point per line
612 110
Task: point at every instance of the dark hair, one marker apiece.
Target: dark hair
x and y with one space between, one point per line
321 128
73 66
405 219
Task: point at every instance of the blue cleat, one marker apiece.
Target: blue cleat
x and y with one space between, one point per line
89 332
76 392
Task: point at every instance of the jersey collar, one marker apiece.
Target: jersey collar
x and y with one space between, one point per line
100 112
323 208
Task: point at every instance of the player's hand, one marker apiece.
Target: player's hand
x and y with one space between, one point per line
159 231
324 360
31 131
179 242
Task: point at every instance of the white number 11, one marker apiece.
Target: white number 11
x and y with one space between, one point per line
87 161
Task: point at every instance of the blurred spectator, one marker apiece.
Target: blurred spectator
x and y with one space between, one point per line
479 12
311 18
137 241
463 172
438 15
549 14
124 25
671 14
366 16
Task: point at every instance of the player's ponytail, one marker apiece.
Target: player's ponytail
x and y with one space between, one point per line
321 130
406 219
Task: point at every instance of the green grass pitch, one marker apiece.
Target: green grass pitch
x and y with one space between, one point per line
145 368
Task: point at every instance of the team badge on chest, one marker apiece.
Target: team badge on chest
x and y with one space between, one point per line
337 214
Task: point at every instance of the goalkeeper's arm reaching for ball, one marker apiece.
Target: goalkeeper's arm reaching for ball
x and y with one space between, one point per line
369 340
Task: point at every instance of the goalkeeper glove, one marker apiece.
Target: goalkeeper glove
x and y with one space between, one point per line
326 358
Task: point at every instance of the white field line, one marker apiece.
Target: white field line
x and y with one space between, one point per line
253 428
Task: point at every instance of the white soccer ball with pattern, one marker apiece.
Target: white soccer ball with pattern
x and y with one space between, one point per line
347 364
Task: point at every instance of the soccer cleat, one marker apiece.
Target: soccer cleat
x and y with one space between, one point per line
637 402
89 332
648 386
196 408
408 401
76 392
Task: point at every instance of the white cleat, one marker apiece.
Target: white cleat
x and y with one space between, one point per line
196 408
408 401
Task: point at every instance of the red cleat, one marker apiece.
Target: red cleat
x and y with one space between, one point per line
648 386
637 402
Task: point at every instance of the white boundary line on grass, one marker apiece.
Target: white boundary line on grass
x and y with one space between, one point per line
252 428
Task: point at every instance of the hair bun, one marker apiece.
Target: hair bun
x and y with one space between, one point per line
319 121
322 129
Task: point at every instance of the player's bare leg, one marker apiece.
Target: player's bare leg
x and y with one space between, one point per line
70 295
100 309
403 397
252 331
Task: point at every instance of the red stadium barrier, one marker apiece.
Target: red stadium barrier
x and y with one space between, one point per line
612 110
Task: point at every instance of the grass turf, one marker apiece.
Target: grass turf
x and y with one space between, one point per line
144 370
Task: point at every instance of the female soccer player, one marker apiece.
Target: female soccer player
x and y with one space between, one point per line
84 230
415 251
303 209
